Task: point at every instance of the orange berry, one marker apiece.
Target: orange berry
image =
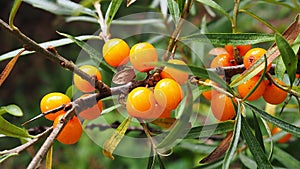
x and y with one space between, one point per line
168 93
222 60
283 139
222 107
141 56
252 56
116 52
72 131
84 85
273 94
246 87
208 94
52 101
92 112
243 49
140 103
175 74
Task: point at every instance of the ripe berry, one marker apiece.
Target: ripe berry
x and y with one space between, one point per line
141 56
116 52
84 85
52 101
246 87
92 112
252 56
175 74
168 93
222 107
72 131
273 94
283 139
140 103
243 49
208 94
222 60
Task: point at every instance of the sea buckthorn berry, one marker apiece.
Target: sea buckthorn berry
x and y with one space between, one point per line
175 74
273 94
222 107
222 60
168 93
91 112
52 101
243 49
246 87
141 103
72 131
208 94
84 85
116 52
252 56
142 56
283 139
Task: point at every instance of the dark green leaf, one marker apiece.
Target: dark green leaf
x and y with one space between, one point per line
161 164
258 133
278 122
285 158
222 39
216 7
94 54
288 56
181 5
235 140
151 159
174 10
256 150
112 10
11 109
211 129
8 129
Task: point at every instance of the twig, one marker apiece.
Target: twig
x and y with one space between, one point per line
104 34
235 15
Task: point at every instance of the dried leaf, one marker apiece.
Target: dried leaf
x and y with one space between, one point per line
130 2
164 122
124 76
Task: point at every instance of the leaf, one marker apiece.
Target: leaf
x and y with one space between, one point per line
6 156
288 56
13 13
49 158
93 53
151 159
11 130
258 133
216 7
256 150
8 68
54 43
285 158
174 10
222 39
11 109
181 126
161 164
111 144
164 122
277 122
211 129
235 140
124 76
130 2
219 150
248 162
212 165
112 10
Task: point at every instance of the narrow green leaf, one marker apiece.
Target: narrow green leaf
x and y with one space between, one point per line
54 43
211 129
277 122
174 10
94 54
111 144
112 10
256 150
212 165
222 39
49 158
285 158
258 133
6 156
288 56
161 164
248 162
8 129
216 6
180 127
11 109
13 13
279 68
151 159
235 140
181 5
